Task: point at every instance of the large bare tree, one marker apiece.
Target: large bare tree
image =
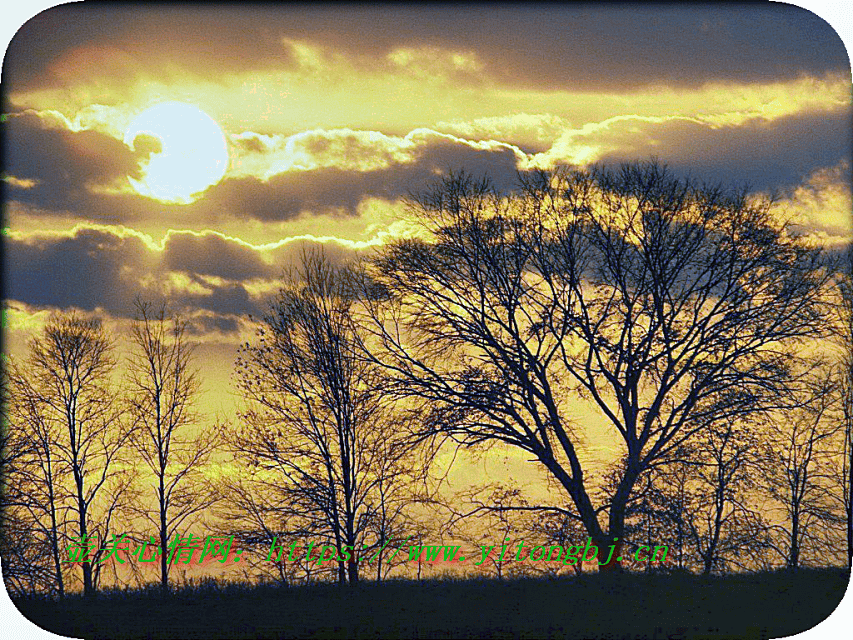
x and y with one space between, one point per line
665 305
163 389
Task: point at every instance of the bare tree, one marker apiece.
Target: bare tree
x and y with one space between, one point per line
844 376
163 387
846 475
492 521
799 474
31 495
317 425
678 503
75 415
666 306
726 527
251 508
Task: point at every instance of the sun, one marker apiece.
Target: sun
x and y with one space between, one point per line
193 153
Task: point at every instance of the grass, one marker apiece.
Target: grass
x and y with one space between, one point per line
764 605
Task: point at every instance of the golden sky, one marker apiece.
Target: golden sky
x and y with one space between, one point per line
190 152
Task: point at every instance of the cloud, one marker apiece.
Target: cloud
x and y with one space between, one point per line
766 155
427 62
535 132
87 269
43 150
95 267
822 205
275 177
583 47
211 254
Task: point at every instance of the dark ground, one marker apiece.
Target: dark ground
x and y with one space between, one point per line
766 605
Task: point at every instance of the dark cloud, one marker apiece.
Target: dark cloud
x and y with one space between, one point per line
199 325
578 47
103 268
283 197
64 163
213 255
230 298
92 268
290 253
763 155
288 194
100 268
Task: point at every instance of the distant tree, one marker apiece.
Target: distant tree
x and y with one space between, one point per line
163 387
649 517
726 527
492 520
74 417
799 474
401 484
31 517
674 484
318 428
669 307
558 528
251 508
843 374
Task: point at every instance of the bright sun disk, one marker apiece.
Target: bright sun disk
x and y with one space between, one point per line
193 154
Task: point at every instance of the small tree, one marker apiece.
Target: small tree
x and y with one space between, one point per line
843 374
77 429
799 474
725 526
163 386
32 516
317 426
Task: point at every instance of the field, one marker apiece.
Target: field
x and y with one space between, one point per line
764 605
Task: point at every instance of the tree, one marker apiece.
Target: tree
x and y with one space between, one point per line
496 523
799 474
317 428
76 428
843 374
724 525
163 386
665 305
31 492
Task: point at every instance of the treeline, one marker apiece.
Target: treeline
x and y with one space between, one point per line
710 336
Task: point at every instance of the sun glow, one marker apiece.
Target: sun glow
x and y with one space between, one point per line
193 153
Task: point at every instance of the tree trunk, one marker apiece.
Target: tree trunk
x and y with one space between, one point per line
352 571
88 584
342 572
794 559
164 548
610 552
54 539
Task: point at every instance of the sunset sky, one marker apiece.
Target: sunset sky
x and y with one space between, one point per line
286 127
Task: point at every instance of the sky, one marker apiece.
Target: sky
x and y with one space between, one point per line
190 153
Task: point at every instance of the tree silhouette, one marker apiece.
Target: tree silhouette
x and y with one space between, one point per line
163 386
799 473
318 430
844 376
77 435
29 521
665 305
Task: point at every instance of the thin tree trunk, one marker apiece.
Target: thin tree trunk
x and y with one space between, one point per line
164 542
